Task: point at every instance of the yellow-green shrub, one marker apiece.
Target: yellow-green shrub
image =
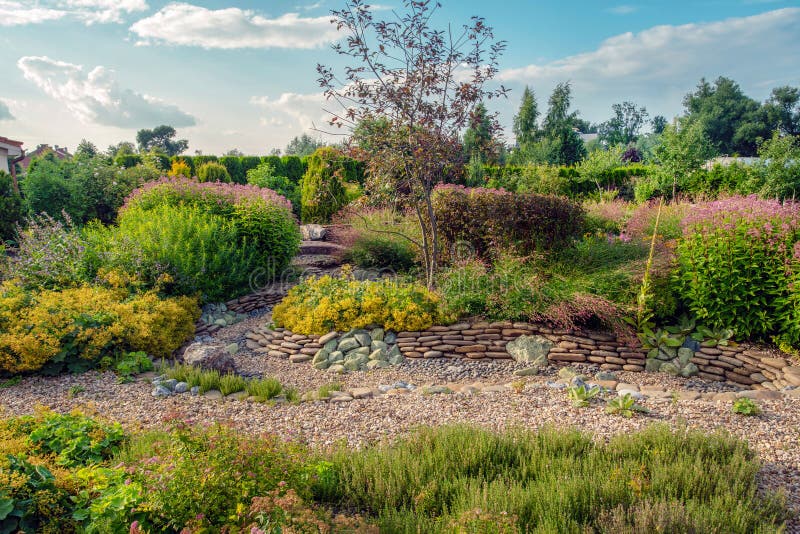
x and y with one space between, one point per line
76 327
319 305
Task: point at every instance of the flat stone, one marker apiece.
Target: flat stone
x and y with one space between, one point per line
377 364
760 394
213 394
300 358
530 349
727 396
336 369
313 232
239 396
528 371
633 393
212 357
361 393
433 354
348 344
651 389
688 395
606 384
498 388
792 379
792 393
629 387
777 363
330 336
341 398
435 390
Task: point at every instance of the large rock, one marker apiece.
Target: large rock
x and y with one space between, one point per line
212 357
313 232
530 349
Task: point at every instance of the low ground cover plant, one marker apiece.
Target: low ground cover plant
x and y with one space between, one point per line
319 305
75 473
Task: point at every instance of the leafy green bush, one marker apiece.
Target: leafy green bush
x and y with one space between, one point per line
213 172
378 252
294 168
322 192
494 221
745 406
11 212
210 236
202 252
277 166
264 175
319 305
127 161
49 187
738 267
554 481
74 439
233 164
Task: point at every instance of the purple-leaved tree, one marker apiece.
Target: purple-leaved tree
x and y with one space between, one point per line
420 85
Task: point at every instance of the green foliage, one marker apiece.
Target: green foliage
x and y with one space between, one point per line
553 481
161 138
132 363
75 439
325 390
322 191
492 220
294 168
49 187
127 161
624 406
249 162
745 406
319 305
582 395
213 172
11 211
278 168
263 389
737 267
525 127
31 502
231 383
379 252
303 145
624 127
233 164
264 175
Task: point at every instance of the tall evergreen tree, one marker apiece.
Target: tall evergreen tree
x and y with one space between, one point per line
479 138
558 128
526 128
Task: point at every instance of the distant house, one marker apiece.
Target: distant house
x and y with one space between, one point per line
59 152
11 153
727 161
586 137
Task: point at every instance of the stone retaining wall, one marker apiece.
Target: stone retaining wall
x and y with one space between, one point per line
268 296
741 365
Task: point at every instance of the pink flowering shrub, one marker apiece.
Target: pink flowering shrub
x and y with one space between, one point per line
494 220
738 265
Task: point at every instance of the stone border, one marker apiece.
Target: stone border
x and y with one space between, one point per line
269 296
742 365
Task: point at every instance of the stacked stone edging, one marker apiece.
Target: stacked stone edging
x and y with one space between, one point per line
741 365
269 296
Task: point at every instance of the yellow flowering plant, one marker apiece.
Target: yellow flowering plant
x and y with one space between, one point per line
319 305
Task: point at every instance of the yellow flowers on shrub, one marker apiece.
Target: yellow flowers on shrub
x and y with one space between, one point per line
76 327
319 305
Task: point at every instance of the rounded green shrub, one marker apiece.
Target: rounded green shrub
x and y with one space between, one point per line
213 172
322 192
380 252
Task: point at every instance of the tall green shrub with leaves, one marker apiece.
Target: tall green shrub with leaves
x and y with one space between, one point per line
322 192
213 172
233 164
50 187
265 175
293 167
10 208
739 266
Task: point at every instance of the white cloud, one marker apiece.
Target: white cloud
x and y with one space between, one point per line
304 110
231 28
95 97
657 66
625 9
23 12
5 112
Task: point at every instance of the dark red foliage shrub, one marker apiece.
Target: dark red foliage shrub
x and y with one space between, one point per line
494 220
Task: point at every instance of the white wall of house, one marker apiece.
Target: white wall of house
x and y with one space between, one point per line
4 160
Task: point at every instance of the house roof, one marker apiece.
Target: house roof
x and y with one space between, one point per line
7 141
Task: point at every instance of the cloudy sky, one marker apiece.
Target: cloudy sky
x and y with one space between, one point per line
242 75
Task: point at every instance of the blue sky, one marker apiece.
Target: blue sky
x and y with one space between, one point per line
242 75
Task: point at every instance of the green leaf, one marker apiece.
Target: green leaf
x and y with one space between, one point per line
6 507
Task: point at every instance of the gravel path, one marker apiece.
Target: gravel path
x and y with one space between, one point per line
774 435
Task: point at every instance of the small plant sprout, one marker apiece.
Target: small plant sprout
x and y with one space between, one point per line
518 386
745 406
624 406
581 395
75 390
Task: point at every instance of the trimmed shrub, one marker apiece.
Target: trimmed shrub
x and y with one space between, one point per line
319 305
294 168
10 208
378 252
739 266
180 168
213 172
257 234
200 160
186 160
250 162
233 164
322 192
126 161
74 328
491 220
277 164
